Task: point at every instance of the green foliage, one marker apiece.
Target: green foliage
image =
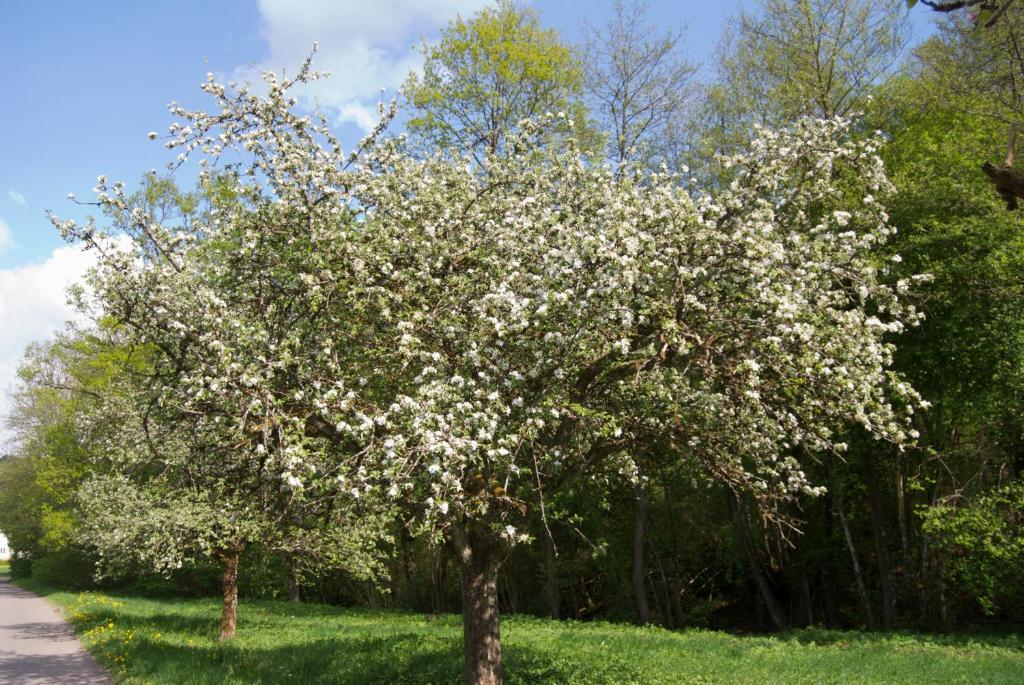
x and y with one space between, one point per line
791 58
20 505
59 431
262 573
983 542
172 642
65 567
59 381
21 567
969 357
979 69
487 74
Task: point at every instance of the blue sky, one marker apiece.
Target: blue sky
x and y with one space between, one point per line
85 82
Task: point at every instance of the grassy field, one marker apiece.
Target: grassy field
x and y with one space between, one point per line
172 642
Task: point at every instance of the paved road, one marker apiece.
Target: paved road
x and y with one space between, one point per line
37 647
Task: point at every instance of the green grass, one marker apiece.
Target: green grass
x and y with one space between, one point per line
172 642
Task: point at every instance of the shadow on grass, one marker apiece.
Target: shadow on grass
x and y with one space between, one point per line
197 625
398 660
323 661
401 658
289 644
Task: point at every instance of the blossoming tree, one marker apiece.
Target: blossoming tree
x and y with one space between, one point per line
216 444
458 339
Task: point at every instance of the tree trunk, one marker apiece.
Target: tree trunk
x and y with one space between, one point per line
862 590
508 587
881 546
481 636
806 601
437 560
1009 183
229 611
643 611
575 598
827 585
673 580
902 512
1011 144
775 609
405 540
829 570
668 616
772 604
551 587
294 589
911 579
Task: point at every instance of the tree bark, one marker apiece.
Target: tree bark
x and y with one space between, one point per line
479 559
1011 144
827 584
404 541
229 610
1009 183
643 611
575 598
806 601
552 586
889 611
668 614
294 589
911 580
858 576
775 608
437 561
925 603
828 571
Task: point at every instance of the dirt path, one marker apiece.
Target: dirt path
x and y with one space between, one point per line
38 647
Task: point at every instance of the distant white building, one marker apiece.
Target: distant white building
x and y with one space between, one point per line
5 549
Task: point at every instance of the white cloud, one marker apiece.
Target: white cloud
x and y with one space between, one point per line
18 197
33 306
365 46
5 236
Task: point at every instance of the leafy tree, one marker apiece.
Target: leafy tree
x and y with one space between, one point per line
784 60
966 358
793 58
487 74
21 505
981 71
983 543
60 384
